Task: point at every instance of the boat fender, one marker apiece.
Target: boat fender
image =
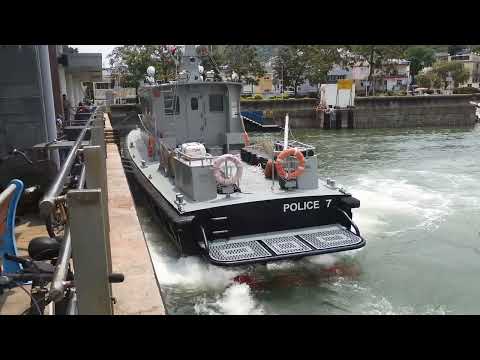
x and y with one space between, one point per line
151 146
282 156
218 166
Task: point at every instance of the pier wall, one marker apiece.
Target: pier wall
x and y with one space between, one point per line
300 111
377 112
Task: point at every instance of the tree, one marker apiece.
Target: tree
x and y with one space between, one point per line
455 69
291 66
440 71
419 57
135 59
320 59
376 56
244 60
429 80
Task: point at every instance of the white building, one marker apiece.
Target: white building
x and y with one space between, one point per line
109 88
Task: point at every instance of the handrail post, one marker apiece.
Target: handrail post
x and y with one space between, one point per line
98 134
96 177
89 249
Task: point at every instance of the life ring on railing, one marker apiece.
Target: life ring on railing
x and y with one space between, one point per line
218 166
282 156
151 146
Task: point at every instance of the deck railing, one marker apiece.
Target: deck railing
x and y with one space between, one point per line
86 235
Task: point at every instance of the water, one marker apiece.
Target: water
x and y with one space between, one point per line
420 213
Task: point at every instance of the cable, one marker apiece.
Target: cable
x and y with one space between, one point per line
31 297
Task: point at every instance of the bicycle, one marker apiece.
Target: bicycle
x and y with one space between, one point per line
40 273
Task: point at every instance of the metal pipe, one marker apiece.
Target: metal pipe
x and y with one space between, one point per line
48 201
81 180
72 305
57 286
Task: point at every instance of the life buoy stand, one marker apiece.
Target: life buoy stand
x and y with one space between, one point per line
219 165
282 156
151 146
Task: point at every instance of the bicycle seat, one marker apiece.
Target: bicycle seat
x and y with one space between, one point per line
43 248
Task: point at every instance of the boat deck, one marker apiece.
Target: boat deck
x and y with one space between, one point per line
253 184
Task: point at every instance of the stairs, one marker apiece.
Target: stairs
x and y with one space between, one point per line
112 136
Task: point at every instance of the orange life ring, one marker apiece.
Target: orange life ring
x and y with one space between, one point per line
282 156
151 146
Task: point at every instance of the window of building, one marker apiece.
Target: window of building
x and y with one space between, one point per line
194 103
104 85
399 82
216 103
170 106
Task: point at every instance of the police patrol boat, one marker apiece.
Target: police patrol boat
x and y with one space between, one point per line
220 196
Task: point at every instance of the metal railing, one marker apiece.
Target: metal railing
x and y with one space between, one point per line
86 234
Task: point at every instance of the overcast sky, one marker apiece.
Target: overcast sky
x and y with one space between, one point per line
104 49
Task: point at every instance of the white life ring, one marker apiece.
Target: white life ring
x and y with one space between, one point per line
219 165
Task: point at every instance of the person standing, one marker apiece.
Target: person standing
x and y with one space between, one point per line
66 109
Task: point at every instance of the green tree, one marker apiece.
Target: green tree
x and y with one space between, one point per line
419 57
135 59
291 66
429 80
320 59
244 60
455 69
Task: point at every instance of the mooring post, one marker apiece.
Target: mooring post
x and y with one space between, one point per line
89 250
96 178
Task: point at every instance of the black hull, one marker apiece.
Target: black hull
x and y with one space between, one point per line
247 219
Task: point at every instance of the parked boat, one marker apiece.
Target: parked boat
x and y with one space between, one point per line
220 196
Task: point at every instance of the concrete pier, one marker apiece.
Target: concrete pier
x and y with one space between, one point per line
140 293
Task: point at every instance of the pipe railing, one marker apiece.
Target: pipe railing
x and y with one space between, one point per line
74 238
57 286
48 201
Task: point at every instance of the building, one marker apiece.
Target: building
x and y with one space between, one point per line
109 89
339 73
32 81
394 75
471 62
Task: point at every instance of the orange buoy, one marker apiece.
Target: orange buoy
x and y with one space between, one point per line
268 169
282 156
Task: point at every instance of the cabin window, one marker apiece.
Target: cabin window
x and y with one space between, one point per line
169 106
194 103
216 103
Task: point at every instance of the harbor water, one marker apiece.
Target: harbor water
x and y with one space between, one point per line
420 214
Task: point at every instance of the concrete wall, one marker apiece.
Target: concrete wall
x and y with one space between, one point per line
22 111
414 111
300 111
377 112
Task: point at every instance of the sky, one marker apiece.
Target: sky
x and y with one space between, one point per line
104 49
